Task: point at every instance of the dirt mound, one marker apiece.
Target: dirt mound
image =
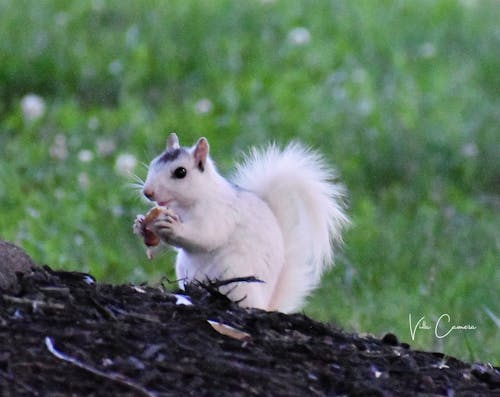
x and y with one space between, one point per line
61 333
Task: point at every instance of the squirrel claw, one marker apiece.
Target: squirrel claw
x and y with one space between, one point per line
138 225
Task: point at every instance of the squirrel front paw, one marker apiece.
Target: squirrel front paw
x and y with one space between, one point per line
168 226
138 226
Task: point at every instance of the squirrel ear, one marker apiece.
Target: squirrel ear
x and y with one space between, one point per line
201 153
173 141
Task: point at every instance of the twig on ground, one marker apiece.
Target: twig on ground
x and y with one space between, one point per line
113 376
34 303
214 286
221 283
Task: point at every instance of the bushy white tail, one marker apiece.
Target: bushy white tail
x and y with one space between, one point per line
297 185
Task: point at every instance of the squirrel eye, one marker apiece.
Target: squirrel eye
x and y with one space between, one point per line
179 173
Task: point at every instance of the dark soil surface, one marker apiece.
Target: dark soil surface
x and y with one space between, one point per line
63 334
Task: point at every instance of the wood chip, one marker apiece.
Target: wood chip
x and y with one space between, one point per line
230 331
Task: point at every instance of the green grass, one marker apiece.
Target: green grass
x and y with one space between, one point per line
402 96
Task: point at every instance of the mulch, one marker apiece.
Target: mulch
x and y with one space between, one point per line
64 334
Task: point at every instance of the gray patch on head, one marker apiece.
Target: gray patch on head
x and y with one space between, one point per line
169 155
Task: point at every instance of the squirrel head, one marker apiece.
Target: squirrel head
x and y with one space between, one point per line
179 176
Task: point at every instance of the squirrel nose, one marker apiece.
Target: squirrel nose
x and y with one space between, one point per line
150 194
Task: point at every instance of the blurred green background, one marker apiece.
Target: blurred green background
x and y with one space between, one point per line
403 97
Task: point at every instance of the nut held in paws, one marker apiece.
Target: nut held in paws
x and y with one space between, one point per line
150 238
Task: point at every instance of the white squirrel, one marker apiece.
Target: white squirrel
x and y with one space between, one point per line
276 220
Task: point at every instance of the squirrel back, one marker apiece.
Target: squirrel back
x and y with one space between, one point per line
298 186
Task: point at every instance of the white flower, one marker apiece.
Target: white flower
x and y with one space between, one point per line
115 67
59 193
365 107
97 5
117 210
33 107
61 19
33 212
59 149
427 50
125 164
79 240
359 75
93 123
83 180
132 36
469 3
299 36
85 156
470 150
105 146
204 106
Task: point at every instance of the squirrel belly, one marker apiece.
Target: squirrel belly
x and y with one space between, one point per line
254 247
276 220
